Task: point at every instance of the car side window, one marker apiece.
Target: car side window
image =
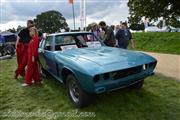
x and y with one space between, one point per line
59 40
63 41
48 43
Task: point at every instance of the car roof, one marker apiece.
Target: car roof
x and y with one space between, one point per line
68 33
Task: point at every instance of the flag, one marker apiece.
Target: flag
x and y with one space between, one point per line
70 1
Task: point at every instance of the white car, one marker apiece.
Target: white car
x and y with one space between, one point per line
135 31
173 29
156 29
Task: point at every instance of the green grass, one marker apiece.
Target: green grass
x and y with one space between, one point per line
158 42
159 99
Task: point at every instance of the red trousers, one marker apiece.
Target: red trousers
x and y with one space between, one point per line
22 56
32 72
19 53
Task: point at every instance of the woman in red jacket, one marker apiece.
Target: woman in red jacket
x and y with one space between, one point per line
32 72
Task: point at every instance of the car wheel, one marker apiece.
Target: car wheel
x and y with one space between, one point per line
10 50
77 95
137 85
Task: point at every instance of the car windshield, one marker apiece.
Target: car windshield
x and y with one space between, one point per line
63 42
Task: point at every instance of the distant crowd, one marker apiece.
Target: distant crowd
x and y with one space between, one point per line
113 36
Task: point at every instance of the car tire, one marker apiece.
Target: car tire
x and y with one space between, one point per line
9 50
137 85
77 95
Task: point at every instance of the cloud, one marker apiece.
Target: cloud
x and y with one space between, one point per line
18 11
23 10
12 24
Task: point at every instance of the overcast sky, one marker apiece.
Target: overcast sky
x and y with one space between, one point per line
16 12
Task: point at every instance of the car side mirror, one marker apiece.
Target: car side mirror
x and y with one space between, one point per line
40 50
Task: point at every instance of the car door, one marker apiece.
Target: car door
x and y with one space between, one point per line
41 53
46 54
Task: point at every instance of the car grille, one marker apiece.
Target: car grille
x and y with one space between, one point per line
134 70
126 72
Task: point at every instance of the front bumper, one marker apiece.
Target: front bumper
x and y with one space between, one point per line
110 85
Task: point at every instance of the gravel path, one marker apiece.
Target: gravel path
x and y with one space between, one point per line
168 64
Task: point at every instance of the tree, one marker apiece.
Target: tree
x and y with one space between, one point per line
50 22
153 9
19 28
88 28
12 30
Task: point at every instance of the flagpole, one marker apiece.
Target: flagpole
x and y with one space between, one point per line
85 13
73 15
82 14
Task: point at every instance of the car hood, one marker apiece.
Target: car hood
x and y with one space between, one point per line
106 58
104 55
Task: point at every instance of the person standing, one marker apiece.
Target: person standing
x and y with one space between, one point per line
145 23
108 36
21 49
116 29
32 72
95 30
124 36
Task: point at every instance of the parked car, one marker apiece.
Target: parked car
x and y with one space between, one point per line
173 29
7 43
87 67
5 48
156 29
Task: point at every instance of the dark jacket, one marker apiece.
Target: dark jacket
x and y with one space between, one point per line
110 38
123 37
24 36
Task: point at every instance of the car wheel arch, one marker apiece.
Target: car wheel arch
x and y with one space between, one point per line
65 72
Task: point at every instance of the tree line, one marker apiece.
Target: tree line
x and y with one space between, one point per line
53 21
47 22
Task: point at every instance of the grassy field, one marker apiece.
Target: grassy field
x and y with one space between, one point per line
158 42
159 99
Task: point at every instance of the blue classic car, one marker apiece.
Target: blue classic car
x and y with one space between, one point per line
86 66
